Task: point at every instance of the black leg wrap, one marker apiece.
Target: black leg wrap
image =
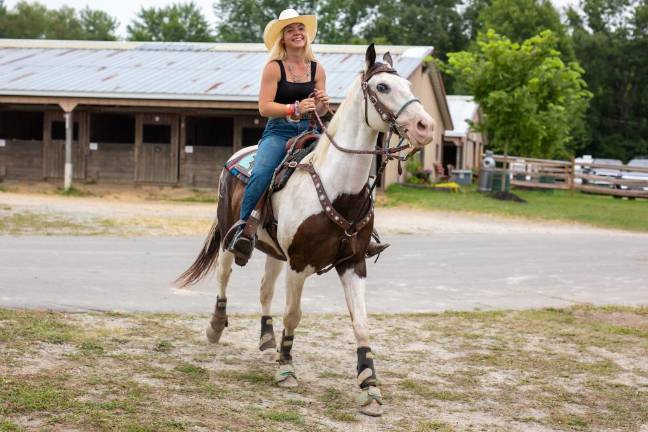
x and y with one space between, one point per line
366 370
267 334
220 312
285 347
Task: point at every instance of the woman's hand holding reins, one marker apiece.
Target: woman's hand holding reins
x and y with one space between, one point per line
321 101
307 105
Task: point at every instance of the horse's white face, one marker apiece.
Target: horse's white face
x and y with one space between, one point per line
394 92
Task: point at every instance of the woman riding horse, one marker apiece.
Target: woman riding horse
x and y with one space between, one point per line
289 78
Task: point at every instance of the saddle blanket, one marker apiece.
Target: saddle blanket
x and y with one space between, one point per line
241 163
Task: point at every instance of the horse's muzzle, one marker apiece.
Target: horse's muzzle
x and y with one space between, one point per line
420 131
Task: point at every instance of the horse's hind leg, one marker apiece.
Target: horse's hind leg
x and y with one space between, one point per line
285 376
267 343
353 277
218 321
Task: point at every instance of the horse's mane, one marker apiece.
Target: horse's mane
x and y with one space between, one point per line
323 144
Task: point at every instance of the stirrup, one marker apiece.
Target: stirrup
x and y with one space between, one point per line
241 246
374 248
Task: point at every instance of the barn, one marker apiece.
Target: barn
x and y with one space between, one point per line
463 146
159 113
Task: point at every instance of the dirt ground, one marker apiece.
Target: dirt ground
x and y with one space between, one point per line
583 369
41 208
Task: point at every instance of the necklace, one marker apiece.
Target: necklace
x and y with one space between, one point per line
298 77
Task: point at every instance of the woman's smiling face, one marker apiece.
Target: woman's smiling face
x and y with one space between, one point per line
294 35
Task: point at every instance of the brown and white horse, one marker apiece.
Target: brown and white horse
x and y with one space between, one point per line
309 237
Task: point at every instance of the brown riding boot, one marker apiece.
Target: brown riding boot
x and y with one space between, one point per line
243 239
375 246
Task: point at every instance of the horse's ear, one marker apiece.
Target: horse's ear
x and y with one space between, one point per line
370 57
388 59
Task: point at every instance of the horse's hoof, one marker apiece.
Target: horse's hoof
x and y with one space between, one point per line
290 382
370 401
373 409
216 326
285 376
269 355
213 336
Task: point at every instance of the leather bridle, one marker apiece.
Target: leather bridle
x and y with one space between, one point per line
387 115
370 96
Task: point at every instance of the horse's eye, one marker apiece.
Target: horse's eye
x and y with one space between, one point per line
382 88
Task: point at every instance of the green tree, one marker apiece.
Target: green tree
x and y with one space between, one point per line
338 20
418 22
63 23
611 40
26 20
531 99
520 20
3 14
245 20
35 21
98 25
180 22
471 16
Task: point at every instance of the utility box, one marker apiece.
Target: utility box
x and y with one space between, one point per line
462 177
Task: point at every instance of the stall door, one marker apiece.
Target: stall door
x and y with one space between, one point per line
157 148
54 146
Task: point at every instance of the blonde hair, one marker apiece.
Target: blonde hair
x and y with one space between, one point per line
278 51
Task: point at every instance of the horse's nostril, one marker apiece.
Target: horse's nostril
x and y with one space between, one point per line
421 126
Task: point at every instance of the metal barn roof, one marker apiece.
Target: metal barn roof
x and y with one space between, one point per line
184 71
462 108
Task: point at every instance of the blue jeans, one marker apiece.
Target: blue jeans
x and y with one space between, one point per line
270 154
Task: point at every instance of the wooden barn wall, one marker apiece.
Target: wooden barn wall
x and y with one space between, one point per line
54 150
21 160
121 162
204 165
111 162
156 162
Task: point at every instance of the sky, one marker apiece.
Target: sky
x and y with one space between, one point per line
125 10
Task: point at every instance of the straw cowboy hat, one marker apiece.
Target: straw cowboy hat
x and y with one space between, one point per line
273 29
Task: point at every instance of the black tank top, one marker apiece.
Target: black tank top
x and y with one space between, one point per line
289 92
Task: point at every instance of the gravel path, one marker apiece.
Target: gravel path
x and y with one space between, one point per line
388 220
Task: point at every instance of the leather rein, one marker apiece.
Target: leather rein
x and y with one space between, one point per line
385 113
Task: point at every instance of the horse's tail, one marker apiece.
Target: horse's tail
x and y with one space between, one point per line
204 261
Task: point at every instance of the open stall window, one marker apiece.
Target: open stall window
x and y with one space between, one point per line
21 125
251 136
210 131
112 128
58 131
156 134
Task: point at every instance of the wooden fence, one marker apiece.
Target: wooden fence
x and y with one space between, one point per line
572 175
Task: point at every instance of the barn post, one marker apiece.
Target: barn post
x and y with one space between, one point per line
68 107
69 129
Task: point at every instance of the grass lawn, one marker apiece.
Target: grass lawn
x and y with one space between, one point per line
598 210
579 369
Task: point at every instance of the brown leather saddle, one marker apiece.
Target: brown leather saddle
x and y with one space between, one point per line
297 148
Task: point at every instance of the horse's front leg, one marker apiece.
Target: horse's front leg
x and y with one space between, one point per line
267 343
285 376
353 277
